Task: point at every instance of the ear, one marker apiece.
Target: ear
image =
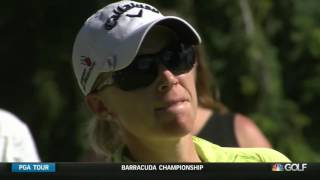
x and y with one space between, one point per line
97 105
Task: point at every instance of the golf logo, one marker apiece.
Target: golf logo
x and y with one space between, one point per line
289 167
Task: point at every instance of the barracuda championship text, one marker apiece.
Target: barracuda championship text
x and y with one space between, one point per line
161 167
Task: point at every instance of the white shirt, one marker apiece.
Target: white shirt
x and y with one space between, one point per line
16 142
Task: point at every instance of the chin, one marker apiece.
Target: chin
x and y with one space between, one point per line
179 126
176 121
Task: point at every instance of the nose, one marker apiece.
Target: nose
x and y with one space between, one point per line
166 79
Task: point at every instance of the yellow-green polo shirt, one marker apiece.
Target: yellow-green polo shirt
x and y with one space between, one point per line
209 152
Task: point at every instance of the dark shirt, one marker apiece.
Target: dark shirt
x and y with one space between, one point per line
219 130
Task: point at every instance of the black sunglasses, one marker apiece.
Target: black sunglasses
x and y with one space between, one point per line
142 72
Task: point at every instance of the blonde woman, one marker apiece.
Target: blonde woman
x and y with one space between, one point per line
136 69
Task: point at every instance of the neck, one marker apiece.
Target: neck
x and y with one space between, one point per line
203 115
173 150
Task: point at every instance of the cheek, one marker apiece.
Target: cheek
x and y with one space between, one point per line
194 97
130 109
189 84
124 105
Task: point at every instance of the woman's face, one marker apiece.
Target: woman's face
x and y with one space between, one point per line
165 108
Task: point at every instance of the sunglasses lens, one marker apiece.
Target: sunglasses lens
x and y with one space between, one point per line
179 61
144 69
139 74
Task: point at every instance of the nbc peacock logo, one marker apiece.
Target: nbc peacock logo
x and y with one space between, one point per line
277 167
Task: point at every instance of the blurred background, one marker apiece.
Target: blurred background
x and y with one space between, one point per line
265 56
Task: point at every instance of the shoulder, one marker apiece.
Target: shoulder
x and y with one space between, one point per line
209 152
16 142
244 123
248 134
256 155
11 124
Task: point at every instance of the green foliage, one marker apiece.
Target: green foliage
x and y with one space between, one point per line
265 56
252 46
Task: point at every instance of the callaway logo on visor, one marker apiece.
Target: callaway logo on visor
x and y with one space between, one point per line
111 22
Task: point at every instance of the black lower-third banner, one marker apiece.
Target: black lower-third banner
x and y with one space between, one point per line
158 171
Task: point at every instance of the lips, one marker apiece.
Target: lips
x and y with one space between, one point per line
171 103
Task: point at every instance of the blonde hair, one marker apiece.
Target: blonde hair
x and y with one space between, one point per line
104 136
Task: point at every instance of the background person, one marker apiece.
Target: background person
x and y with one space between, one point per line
16 142
215 122
136 69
